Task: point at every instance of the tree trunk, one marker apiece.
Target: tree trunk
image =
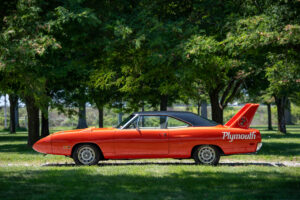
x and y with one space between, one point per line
270 128
287 112
216 109
13 99
100 114
82 117
120 114
5 112
33 121
120 117
45 123
198 107
163 103
204 109
280 103
17 115
143 106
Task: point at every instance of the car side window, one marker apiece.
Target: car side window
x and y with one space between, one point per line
152 122
175 123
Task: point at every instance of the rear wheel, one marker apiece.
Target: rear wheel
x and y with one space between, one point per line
207 155
86 154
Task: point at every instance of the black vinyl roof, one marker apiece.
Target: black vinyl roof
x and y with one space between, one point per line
188 117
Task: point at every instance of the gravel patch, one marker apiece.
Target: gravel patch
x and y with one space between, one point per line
233 163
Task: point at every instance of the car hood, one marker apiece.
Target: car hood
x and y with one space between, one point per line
103 129
88 130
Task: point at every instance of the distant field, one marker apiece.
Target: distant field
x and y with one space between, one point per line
25 174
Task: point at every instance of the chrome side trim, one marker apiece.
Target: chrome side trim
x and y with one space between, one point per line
125 126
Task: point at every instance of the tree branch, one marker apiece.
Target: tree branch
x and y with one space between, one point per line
227 90
234 91
218 88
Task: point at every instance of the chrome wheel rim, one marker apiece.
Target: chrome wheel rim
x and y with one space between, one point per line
206 155
86 155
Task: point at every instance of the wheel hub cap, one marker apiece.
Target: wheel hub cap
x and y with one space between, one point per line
86 155
206 155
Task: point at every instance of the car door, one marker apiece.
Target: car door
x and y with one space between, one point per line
145 137
180 137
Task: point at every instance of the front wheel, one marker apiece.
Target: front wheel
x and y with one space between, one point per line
207 155
86 154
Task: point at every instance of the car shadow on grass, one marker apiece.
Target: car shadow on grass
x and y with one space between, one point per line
88 183
232 164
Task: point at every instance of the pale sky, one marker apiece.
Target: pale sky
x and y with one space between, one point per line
2 101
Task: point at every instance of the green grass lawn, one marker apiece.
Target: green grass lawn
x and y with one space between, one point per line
25 174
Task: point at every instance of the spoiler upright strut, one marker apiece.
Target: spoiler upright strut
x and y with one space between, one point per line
244 117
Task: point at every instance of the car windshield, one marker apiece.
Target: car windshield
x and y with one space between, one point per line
125 121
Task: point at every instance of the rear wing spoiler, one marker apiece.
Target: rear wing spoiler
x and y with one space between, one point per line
244 117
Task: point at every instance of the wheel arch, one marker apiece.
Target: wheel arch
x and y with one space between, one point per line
196 146
89 143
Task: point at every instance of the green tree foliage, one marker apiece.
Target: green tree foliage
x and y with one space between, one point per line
128 53
25 38
44 54
271 40
220 74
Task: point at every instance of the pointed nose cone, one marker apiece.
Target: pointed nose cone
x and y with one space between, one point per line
43 145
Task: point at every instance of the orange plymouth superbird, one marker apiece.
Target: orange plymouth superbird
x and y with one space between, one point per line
158 134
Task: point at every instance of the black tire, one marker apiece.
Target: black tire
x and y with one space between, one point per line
206 155
86 154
